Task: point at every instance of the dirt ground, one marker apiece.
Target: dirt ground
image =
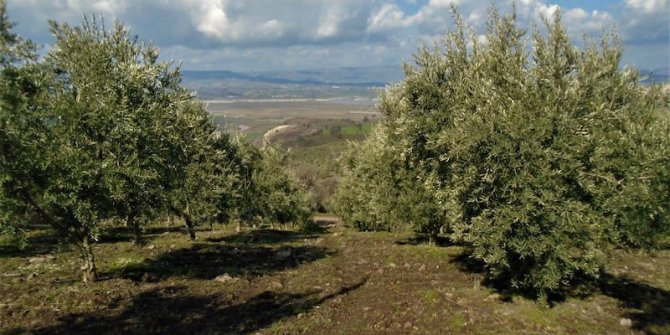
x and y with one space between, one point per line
330 281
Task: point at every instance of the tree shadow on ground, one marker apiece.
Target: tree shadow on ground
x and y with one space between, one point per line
127 234
207 261
442 241
647 306
45 242
266 236
172 310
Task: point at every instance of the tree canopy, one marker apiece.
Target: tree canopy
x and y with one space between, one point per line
101 131
537 154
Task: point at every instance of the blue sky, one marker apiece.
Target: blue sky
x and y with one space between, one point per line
247 35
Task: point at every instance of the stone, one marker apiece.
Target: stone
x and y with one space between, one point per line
283 254
150 247
225 278
40 259
494 296
275 285
407 325
626 322
148 277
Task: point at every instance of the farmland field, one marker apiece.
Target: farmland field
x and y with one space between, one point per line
255 117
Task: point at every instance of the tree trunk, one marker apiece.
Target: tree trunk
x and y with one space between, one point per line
90 274
189 227
432 236
137 231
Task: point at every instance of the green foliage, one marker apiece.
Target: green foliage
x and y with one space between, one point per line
264 192
381 191
284 201
539 160
21 128
101 131
205 178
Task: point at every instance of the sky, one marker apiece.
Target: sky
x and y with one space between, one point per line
262 35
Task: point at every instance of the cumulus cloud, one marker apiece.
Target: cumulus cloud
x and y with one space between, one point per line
648 6
219 33
646 22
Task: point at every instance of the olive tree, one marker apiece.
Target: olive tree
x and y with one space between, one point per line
284 200
262 191
539 155
114 129
204 189
381 189
553 156
22 128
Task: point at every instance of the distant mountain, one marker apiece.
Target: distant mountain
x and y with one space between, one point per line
344 82
326 83
349 76
659 75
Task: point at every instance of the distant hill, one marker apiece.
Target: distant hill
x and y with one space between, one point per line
325 83
312 84
660 75
347 76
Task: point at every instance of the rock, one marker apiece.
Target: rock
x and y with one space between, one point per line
367 308
494 296
422 267
407 325
275 285
626 322
283 254
150 247
148 277
225 278
40 259
336 234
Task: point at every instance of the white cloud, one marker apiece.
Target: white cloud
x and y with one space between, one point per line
226 33
388 17
648 6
